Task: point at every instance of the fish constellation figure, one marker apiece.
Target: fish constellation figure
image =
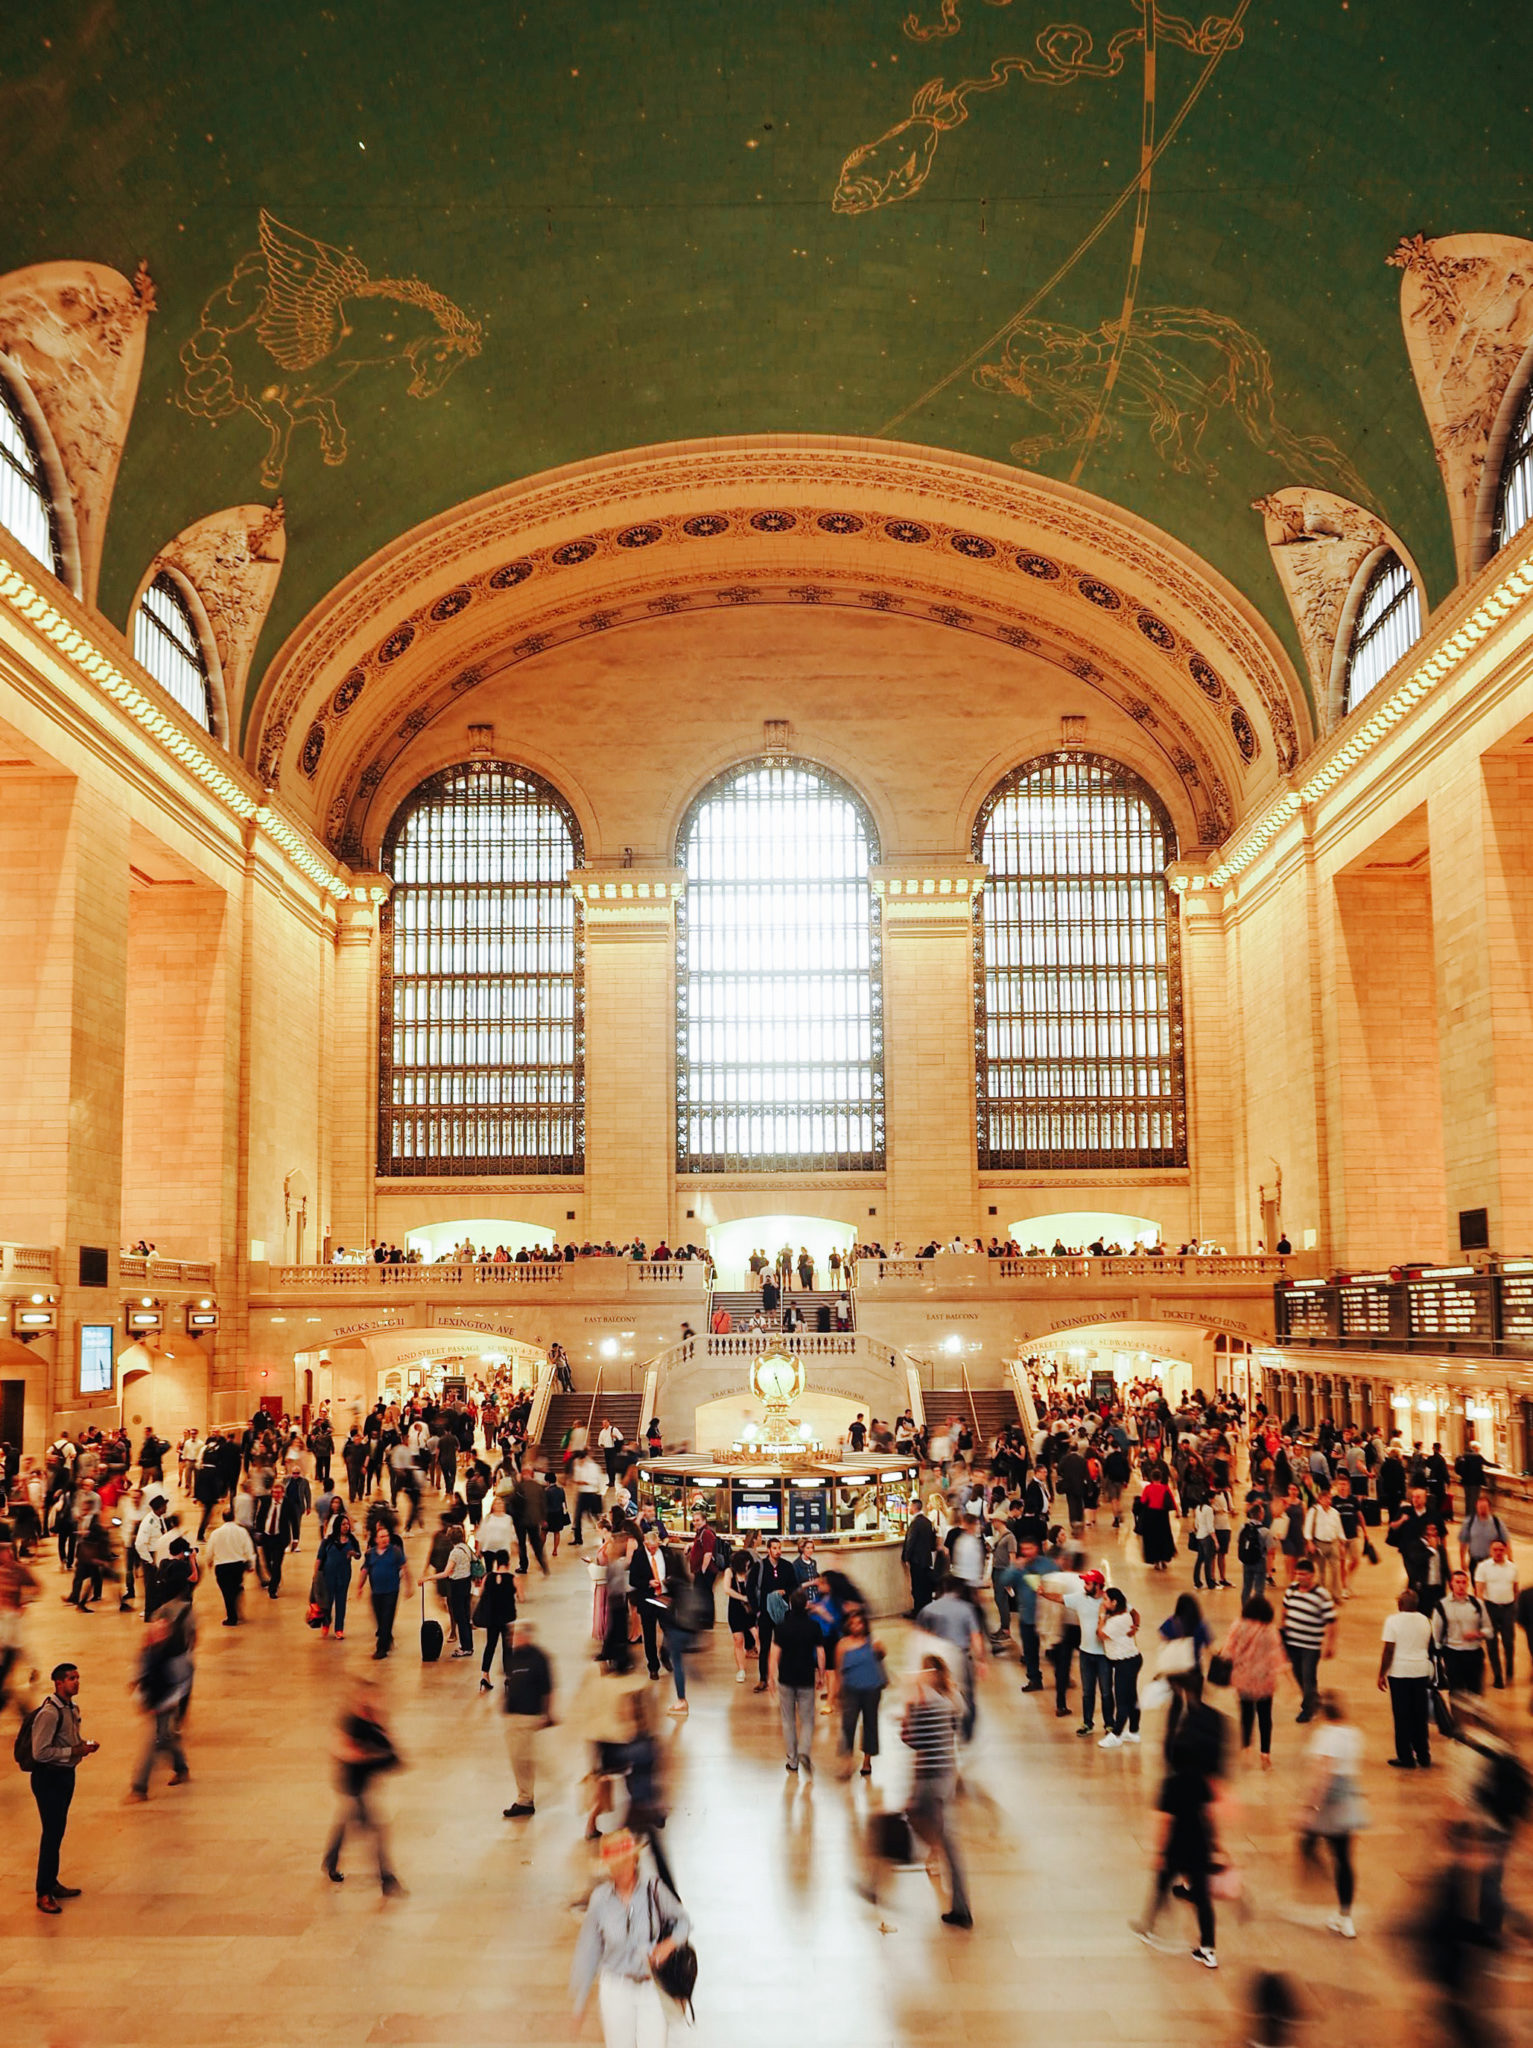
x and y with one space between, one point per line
297 320
1179 366
899 162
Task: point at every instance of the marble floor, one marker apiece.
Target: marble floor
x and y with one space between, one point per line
205 1917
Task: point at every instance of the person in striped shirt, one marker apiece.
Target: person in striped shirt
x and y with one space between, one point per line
930 1730
1309 1632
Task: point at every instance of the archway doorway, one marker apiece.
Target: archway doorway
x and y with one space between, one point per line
485 1233
1078 1228
732 1243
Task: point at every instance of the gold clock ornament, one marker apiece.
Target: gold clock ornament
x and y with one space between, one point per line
777 1380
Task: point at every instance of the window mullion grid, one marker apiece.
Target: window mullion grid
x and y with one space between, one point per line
1077 1038
486 959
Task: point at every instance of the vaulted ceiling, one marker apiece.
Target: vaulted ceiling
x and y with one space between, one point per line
406 254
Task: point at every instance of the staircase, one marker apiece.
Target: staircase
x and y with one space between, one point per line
986 1409
992 1409
743 1303
566 1411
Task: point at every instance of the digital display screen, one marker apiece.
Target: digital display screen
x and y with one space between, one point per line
96 1366
808 1511
758 1509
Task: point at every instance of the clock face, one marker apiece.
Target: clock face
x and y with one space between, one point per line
777 1376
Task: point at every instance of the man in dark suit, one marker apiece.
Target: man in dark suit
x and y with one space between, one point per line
652 1578
918 1554
773 1574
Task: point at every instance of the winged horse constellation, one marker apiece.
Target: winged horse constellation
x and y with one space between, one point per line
296 321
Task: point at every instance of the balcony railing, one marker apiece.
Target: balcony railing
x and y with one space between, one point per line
166 1272
29 1262
457 1276
803 1343
533 1276
1439 1309
972 1270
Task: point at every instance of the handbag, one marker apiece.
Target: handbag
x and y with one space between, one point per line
1221 1670
677 1975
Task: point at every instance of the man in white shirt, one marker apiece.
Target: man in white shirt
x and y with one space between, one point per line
150 1529
231 1553
1405 1672
1496 1583
590 1484
1323 1532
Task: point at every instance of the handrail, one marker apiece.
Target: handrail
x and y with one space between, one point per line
595 1397
542 1394
969 1395
29 1261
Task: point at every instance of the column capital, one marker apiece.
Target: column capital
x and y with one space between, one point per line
628 902
928 890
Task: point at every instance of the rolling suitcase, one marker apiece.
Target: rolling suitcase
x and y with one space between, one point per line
431 1635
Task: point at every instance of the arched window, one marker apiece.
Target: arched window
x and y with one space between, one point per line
1514 500
166 641
481 1041
1388 624
778 977
26 506
1078 1024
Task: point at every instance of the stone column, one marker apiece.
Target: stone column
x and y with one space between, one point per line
1208 1056
63 1007
630 1010
1481 836
353 1091
930 1137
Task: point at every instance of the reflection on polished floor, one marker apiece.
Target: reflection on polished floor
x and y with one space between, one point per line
205 1917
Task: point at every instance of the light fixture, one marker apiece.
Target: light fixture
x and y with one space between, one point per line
143 1317
609 1347
33 1318
203 1317
952 1344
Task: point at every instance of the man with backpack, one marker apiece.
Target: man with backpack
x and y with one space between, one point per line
49 1747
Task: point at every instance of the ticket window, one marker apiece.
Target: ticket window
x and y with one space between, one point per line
897 1505
668 1499
714 1502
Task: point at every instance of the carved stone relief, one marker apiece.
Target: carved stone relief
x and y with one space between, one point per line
77 332
232 559
1319 542
1466 302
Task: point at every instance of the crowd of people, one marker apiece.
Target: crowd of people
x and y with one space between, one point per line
1026 1547
467 1253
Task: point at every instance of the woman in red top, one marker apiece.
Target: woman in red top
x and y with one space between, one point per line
1153 1511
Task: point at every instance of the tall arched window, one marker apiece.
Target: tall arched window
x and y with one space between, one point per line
1388 625
778 977
1514 500
166 641
1078 1024
481 1042
26 506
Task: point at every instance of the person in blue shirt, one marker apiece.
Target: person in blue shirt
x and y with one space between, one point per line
1021 1580
384 1570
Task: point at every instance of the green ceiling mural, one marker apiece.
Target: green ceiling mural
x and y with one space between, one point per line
406 253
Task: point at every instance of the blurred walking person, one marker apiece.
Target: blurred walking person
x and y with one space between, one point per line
930 1730
364 1752
629 1930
